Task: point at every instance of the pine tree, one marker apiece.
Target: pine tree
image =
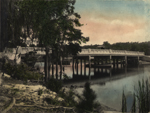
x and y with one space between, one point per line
87 102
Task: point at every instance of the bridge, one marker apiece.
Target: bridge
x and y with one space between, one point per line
109 52
91 58
87 54
105 58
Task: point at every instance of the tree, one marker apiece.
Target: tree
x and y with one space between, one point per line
106 45
53 23
87 102
14 25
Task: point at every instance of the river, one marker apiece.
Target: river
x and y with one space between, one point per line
109 87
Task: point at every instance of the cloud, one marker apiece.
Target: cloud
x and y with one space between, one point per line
101 28
114 21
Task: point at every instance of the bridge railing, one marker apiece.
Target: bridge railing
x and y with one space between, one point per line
110 52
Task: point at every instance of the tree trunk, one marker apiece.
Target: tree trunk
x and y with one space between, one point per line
46 64
49 66
60 67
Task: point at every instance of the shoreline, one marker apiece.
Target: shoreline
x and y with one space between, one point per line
6 82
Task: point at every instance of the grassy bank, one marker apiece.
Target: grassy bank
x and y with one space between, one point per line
141 98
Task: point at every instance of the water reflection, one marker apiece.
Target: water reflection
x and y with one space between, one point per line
108 83
110 93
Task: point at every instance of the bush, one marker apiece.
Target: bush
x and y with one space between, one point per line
40 92
87 102
21 72
30 58
54 85
8 68
52 101
68 98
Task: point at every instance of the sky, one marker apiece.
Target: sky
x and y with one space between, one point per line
114 20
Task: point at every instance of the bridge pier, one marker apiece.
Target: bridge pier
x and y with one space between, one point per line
94 64
73 65
89 67
117 63
81 65
85 66
117 58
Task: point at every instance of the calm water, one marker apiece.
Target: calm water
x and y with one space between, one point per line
110 93
109 84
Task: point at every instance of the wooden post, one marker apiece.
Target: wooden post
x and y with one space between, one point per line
98 62
102 62
94 64
117 63
121 63
84 66
125 64
110 59
81 65
125 61
49 66
138 60
73 65
89 67
114 63
46 64
110 74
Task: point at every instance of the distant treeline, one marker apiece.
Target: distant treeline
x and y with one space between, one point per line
129 46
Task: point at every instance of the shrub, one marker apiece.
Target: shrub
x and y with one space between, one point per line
87 102
8 68
52 101
21 72
40 92
54 85
68 98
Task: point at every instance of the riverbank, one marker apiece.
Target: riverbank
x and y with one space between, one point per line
16 96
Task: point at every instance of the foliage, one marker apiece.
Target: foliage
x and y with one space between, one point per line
40 91
106 45
87 102
65 76
124 104
143 96
8 68
21 72
14 25
133 46
133 109
30 59
68 98
52 101
54 85
52 22
140 98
